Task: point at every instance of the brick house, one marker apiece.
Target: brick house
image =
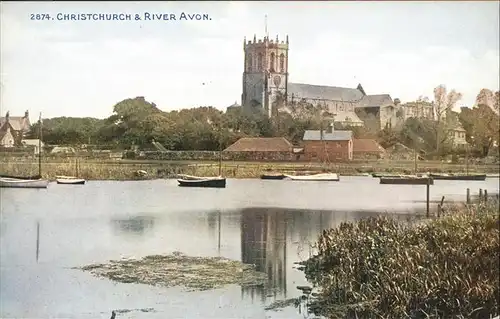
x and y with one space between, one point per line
328 145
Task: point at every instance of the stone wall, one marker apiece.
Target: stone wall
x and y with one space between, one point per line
208 156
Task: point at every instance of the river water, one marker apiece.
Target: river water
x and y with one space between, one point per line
268 223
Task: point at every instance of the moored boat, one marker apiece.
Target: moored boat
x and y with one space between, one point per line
459 177
34 177
272 176
327 177
192 177
6 182
209 182
68 180
407 180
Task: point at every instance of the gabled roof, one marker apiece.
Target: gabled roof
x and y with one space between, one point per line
18 123
311 135
260 144
322 92
367 146
375 100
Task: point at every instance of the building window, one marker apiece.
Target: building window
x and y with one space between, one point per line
282 63
249 62
338 145
260 62
273 59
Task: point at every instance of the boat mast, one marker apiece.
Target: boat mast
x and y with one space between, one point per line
220 147
40 146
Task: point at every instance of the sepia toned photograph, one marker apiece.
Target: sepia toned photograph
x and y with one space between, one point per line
249 159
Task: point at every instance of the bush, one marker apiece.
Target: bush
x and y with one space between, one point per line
381 268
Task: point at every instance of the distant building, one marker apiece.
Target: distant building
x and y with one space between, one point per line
265 81
232 108
34 143
15 126
328 145
6 137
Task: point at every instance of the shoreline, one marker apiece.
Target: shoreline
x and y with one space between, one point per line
128 171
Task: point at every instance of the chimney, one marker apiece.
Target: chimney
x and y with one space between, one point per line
7 116
26 114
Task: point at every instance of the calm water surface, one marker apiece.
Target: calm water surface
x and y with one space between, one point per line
267 223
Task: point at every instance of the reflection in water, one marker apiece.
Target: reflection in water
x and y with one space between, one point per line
37 240
263 243
136 225
265 233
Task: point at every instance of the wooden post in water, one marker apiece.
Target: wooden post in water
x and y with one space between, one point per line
427 200
467 196
440 207
485 195
480 195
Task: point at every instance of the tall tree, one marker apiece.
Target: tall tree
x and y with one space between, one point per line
444 102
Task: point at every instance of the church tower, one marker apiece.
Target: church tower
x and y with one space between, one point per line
265 74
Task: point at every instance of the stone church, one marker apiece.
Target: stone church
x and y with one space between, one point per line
266 76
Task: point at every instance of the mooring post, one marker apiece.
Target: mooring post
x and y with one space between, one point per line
467 197
485 195
427 200
480 195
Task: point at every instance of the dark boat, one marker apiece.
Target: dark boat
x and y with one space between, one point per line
407 180
205 182
22 177
272 176
458 177
378 175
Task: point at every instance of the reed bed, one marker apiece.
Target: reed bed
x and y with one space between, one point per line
382 268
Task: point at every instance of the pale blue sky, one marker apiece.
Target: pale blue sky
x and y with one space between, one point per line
83 68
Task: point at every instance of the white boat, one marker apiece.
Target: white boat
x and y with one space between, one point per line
23 183
333 177
69 180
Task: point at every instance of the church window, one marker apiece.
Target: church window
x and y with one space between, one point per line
249 62
282 63
260 62
273 59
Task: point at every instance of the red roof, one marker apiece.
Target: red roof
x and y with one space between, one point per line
367 146
260 144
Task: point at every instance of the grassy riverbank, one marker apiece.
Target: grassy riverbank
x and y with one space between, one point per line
126 169
439 268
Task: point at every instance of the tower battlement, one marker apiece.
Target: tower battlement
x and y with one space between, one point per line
265 42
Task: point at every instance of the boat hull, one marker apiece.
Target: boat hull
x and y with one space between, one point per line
316 178
34 177
23 183
406 180
478 177
70 181
207 182
272 177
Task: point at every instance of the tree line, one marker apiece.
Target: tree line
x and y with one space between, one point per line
137 122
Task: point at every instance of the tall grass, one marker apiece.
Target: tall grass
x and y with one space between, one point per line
381 268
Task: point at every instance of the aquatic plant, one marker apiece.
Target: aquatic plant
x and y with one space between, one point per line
177 269
381 268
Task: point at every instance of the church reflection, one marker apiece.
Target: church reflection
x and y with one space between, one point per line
263 243
135 225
